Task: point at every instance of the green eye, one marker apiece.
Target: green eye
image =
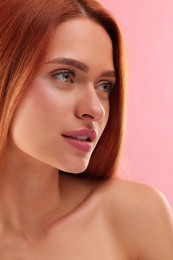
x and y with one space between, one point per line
105 87
66 76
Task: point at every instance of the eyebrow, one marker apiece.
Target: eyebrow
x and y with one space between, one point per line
80 66
108 73
77 64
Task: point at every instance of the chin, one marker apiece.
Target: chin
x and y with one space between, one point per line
75 168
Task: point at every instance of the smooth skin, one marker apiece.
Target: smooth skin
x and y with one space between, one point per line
45 214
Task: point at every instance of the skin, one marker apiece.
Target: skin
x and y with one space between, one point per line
45 214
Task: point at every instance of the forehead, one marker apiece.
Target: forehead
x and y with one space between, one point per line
82 39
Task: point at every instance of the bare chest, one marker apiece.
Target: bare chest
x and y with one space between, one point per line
85 238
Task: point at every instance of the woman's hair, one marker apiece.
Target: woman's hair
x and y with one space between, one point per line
26 28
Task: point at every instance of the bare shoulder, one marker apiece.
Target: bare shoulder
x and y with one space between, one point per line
142 217
138 200
131 195
135 218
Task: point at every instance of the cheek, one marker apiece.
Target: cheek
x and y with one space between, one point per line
106 117
35 117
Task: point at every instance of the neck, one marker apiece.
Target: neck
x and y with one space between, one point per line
29 193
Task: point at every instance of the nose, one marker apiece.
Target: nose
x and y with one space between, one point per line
89 106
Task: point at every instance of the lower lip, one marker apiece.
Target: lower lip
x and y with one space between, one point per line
82 146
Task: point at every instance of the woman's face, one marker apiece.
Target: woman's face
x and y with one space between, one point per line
66 107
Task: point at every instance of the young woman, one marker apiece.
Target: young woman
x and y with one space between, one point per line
62 96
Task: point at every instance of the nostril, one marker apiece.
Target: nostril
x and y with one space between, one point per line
88 116
90 108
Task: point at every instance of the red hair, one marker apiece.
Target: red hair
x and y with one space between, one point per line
26 27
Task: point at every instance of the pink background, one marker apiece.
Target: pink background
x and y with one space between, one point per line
148 32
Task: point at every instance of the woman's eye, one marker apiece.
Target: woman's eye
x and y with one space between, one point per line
66 76
105 87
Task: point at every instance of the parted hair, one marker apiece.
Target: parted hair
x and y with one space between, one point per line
26 28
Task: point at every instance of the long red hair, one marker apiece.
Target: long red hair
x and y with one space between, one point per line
26 27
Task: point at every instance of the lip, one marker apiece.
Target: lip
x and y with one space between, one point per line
81 145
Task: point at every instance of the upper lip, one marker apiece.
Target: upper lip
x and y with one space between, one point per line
91 134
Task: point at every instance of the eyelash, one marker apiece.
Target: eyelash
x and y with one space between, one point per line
61 72
72 73
108 84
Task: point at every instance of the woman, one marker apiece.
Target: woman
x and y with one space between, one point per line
61 118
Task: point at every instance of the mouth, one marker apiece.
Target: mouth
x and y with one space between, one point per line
81 139
82 135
